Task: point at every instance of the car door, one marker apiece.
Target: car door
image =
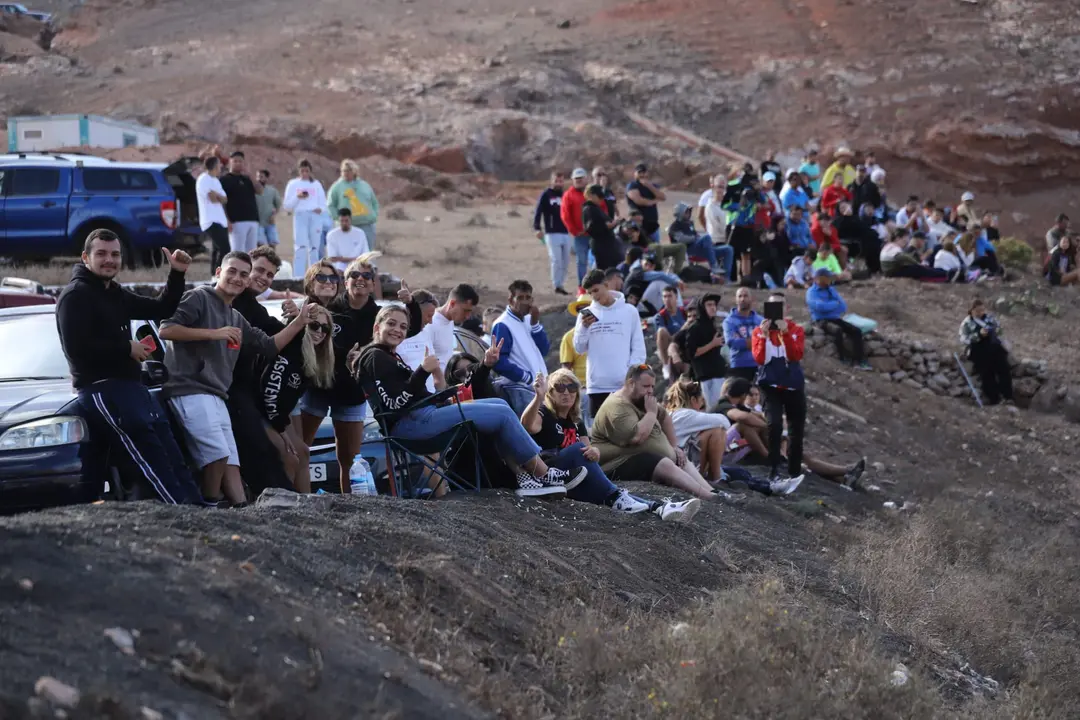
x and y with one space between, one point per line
4 172
36 211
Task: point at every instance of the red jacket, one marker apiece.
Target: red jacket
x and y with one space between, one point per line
780 355
833 196
819 235
573 201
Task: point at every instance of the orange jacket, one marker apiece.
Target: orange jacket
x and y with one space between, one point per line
573 201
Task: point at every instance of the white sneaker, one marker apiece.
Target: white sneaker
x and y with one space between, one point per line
666 370
528 486
626 503
679 512
785 486
566 479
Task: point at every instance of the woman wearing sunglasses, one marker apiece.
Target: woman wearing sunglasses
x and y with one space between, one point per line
553 418
307 361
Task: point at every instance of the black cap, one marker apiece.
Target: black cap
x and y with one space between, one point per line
641 167
649 257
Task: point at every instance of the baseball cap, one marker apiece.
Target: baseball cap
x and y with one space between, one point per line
578 174
641 167
967 196
650 257
823 272
768 177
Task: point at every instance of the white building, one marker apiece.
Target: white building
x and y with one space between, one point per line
42 133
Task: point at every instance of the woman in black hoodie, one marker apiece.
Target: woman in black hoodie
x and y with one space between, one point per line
602 240
400 395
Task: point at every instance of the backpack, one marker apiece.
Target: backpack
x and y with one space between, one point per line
695 274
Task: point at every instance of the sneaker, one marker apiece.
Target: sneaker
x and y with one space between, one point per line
528 486
852 476
865 365
627 503
561 291
666 370
785 486
568 479
679 512
730 498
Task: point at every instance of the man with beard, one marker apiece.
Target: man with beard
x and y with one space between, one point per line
242 208
93 318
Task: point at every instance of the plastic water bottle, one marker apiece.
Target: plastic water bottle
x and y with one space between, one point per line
361 480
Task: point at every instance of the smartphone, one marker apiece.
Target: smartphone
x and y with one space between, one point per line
774 310
587 313
232 345
148 342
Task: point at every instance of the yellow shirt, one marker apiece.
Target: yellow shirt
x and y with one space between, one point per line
567 354
827 178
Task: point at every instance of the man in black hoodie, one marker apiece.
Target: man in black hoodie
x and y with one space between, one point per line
93 317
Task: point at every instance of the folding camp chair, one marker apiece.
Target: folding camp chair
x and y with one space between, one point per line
403 455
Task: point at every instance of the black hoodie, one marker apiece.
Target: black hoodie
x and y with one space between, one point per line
392 386
94 322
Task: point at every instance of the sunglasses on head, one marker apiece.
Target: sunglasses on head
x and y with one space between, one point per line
565 387
357 274
327 278
314 326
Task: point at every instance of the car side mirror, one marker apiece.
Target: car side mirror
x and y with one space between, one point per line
154 373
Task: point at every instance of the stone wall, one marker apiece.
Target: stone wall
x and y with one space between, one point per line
924 367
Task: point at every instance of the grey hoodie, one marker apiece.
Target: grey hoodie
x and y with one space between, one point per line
206 367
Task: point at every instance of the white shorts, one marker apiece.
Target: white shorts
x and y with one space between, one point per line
207 428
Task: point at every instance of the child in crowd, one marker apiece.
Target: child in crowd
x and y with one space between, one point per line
827 259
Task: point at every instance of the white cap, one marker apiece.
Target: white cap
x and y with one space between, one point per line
968 196
877 176
768 177
579 173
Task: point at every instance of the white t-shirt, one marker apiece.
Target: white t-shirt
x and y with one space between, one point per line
437 337
945 260
716 222
350 244
209 212
705 199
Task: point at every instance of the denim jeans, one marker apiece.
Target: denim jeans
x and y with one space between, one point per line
268 235
581 251
725 254
490 416
307 229
711 389
596 488
558 247
703 248
369 232
519 395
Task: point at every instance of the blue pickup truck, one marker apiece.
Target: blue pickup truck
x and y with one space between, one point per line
49 203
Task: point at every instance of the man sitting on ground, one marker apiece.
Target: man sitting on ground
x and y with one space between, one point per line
207 334
524 345
682 231
647 282
1059 230
637 441
801 273
827 309
669 321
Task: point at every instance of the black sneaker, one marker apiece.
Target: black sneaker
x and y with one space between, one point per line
560 291
529 486
567 479
852 476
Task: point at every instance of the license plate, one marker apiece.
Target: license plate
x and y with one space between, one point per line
318 472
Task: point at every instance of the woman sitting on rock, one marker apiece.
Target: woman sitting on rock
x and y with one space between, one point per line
981 334
1061 266
553 418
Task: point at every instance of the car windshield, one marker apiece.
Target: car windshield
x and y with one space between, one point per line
39 354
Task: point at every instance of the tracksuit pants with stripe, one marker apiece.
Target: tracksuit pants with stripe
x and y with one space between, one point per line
125 415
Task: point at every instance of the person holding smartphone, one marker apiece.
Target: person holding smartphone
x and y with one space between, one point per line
778 344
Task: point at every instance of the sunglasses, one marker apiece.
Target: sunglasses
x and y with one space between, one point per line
315 326
327 279
356 275
565 387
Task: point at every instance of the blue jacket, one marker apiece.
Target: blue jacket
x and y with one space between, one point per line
794 197
799 234
507 367
741 216
983 246
737 332
549 208
825 303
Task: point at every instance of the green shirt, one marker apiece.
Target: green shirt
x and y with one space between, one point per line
831 263
614 427
268 203
356 195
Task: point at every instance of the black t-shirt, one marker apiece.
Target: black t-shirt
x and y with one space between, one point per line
556 434
773 167
993 234
282 384
711 365
241 206
724 406
611 202
650 216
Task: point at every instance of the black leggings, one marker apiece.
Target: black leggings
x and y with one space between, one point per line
219 244
989 263
792 403
838 330
918 272
991 362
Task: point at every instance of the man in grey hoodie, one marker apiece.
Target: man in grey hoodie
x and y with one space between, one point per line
207 333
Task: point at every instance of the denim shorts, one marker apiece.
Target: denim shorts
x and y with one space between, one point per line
318 402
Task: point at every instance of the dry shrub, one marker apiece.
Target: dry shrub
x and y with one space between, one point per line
955 580
462 254
1014 253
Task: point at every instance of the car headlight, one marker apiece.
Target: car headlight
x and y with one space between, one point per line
49 432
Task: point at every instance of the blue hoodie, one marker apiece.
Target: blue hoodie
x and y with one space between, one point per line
737 332
798 234
983 246
825 303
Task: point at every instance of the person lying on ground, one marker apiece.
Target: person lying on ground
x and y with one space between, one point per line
897 263
1061 265
307 361
748 439
398 394
800 274
826 260
825 233
637 441
669 320
827 310
633 236
553 419
207 334
981 335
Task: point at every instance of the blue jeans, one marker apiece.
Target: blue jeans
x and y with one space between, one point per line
725 254
581 251
268 235
558 247
369 231
596 488
307 231
738 474
519 395
490 416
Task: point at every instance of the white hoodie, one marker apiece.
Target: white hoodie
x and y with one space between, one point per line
613 344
